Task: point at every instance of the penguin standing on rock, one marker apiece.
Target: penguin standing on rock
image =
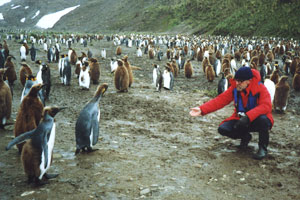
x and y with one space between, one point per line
5 101
29 113
281 94
87 124
37 152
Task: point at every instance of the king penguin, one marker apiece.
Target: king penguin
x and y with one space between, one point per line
5 101
84 76
24 72
121 77
282 91
10 73
270 85
188 69
87 124
157 77
296 80
168 78
222 84
37 152
30 81
29 113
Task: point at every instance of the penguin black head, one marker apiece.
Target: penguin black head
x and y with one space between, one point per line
101 90
38 62
52 111
35 89
120 62
125 58
283 78
30 77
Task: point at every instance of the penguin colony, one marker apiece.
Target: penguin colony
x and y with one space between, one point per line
35 124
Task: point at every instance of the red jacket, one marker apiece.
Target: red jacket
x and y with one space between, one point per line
264 105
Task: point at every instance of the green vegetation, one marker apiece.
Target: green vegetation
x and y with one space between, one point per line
276 18
268 18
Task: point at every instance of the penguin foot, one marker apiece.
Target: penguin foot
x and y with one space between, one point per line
30 179
77 151
50 176
89 149
39 182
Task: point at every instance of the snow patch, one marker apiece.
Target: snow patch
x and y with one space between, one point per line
1 16
36 14
16 7
2 2
23 20
49 20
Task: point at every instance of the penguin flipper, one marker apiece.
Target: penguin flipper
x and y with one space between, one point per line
21 138
95 128
172 81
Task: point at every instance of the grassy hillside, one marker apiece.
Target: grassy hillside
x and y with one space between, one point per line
278 18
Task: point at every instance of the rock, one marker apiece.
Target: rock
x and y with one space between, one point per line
57 156
198 165
145 191
27 193
239 172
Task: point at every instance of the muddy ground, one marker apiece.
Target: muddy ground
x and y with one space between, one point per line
149 147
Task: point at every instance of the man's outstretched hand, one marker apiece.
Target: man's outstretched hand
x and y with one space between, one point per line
196 111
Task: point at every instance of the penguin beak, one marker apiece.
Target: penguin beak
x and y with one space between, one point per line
61 108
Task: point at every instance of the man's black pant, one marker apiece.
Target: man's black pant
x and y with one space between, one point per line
261 124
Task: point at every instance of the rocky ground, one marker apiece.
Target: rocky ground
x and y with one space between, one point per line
149 147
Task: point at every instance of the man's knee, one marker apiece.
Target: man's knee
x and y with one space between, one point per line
262 123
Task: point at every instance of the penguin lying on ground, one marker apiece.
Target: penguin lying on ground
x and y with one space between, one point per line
37 152
87 124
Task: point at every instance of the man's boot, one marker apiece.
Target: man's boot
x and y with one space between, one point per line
262 145
245 141
261 153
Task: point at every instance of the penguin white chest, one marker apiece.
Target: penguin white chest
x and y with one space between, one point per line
167 79
154 75
50 144
92 130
